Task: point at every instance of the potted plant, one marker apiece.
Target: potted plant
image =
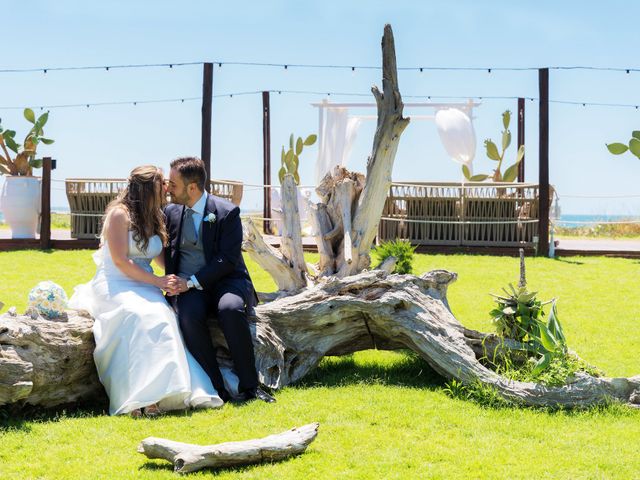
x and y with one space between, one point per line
20 196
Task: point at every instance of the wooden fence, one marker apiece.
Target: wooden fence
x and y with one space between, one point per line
89 197
456 214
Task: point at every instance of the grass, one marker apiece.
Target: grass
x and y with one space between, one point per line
381 414
626 231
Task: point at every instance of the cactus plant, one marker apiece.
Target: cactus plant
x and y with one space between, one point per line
633 147
291 158
510 173
25 155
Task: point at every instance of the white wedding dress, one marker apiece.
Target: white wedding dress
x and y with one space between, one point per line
140 354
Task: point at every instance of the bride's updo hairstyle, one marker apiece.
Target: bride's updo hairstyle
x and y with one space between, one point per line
143 199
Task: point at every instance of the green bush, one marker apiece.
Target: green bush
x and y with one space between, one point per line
401 249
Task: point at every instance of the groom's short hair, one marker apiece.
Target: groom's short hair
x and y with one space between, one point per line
192 170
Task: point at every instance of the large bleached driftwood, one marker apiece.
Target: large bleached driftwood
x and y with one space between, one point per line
188 458
293 333
346 220
47 363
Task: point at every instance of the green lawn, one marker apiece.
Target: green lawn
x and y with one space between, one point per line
381 414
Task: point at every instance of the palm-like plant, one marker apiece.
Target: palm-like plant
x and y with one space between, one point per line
24 155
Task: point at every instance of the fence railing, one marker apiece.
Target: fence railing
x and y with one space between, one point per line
88 199
469 214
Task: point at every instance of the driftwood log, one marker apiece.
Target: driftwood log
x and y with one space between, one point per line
336 308
187 458
50 363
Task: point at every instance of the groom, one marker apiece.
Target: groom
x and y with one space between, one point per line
205 236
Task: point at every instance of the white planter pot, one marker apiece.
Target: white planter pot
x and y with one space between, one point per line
20 205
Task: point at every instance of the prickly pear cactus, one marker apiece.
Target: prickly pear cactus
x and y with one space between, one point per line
510 173
633 147
291 158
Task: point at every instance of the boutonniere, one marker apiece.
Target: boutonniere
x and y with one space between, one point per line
211 218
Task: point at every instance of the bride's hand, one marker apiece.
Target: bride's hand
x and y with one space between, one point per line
166 283
175 285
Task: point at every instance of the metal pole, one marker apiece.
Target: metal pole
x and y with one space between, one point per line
207 102
543 166
45 205
266 155
521 137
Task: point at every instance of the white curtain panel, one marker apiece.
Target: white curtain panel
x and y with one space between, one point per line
337 133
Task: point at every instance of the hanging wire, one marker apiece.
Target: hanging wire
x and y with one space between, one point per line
317 92
287 66
97 67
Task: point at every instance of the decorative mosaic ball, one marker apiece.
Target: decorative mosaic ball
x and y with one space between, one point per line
49 299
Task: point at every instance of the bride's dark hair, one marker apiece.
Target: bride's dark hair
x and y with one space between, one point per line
143 199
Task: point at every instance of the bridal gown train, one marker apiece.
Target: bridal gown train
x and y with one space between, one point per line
140 355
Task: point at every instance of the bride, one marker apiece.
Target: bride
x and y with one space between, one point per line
140 355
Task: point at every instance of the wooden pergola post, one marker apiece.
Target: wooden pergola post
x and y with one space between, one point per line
543 164
45 204
521 137
207 104
266 155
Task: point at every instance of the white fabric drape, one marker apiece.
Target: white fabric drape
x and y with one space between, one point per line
457 135
337 133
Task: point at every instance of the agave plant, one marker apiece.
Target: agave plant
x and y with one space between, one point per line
24 159
510 173
518 315
291 159
633 147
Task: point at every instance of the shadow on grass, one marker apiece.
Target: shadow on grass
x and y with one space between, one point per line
564 260
409 370
21 418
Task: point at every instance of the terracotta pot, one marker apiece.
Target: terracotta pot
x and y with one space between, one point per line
20 205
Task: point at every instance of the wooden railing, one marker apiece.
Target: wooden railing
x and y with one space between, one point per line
470 214
88 199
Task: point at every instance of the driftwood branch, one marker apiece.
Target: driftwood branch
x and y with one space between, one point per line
391 124
188 458
269 259
291 230
322 224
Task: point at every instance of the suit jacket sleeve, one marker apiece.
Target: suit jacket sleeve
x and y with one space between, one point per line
224 260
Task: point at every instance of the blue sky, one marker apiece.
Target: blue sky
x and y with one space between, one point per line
107 141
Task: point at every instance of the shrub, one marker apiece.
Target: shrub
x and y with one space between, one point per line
400 249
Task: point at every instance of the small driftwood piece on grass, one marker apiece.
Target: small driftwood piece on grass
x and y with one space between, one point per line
188 458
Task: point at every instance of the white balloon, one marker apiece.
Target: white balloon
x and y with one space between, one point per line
457 135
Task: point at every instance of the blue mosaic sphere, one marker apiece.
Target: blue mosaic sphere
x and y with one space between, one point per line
49 299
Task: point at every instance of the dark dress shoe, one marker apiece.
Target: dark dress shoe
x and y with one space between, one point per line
224 395
259 394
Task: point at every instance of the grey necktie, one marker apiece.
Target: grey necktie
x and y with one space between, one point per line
189 233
